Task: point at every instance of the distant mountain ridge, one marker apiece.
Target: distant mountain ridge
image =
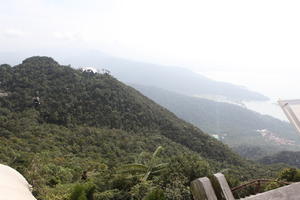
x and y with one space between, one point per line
232 124
182 81
175 79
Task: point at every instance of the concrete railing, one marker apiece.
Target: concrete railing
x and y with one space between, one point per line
217 188
203 189
289 192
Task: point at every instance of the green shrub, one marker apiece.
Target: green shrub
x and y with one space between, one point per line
156 194
83 192
272 185
290 174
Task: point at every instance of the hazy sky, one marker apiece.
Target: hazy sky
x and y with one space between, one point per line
253 43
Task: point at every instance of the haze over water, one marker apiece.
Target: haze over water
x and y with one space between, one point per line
267 108
275 85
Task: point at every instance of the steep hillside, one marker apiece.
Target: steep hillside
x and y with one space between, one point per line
72 130
232 124
55 159
69 96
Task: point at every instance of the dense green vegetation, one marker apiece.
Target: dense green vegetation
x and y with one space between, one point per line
254 152
235 125
72 133
288 157
70 97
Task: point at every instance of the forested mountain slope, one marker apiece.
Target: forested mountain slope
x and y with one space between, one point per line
69 96
233 124
60 127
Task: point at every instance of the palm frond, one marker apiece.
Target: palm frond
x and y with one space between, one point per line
133 168
158 149
158 172
160 166
146 176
